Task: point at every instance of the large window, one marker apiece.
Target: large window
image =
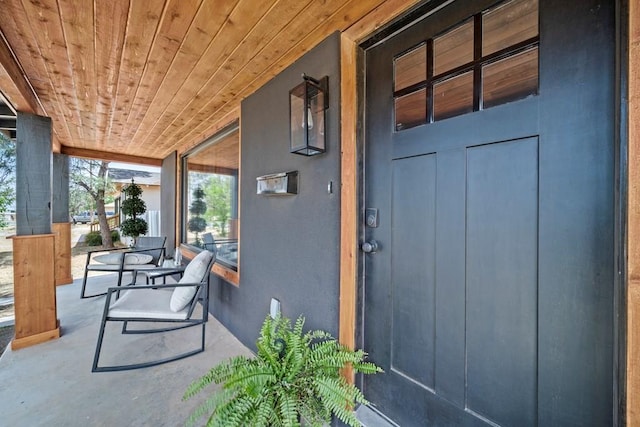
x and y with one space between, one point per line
210 209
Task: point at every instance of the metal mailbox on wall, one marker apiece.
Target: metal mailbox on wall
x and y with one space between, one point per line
279 184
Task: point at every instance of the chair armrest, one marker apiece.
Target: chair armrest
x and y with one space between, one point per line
134 250
157 272
107 250
114 289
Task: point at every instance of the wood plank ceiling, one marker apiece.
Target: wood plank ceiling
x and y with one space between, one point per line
146 77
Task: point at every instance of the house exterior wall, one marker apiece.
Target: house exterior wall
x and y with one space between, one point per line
151 196
289 247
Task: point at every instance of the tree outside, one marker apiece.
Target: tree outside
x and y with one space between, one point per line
7 198
91 176
7 177
197 224
218 199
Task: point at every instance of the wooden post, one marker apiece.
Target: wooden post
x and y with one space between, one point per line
61 226
62 251
34 291
34 246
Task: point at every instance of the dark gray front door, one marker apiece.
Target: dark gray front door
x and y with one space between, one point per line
489 300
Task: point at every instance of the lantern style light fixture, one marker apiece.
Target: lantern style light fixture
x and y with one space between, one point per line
307 104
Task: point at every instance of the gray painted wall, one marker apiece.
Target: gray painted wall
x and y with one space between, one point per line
289 244
168 201
33 175
60 188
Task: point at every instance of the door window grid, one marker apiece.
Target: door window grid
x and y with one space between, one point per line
509 30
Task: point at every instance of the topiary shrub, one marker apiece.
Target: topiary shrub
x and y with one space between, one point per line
196 223
95 239
132 207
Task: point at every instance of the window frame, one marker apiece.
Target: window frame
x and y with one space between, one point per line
225 272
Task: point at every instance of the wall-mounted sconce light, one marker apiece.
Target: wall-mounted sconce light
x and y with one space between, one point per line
307 104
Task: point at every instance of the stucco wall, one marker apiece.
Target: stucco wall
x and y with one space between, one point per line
289 244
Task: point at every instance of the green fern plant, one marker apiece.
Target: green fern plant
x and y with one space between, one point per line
294 376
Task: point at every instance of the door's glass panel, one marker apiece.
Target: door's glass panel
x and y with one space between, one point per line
453 97
509 24
411 110
453 48
410 68
512 78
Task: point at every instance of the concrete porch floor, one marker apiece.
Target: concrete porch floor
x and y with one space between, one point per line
52 384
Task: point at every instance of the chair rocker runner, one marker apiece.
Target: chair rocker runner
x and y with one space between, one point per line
152 303
147 254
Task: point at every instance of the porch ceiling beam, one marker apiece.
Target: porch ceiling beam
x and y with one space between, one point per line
28 102
112 157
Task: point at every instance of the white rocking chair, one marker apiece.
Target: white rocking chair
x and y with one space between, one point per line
152 303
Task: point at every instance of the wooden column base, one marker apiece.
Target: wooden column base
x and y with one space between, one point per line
19 343
34 290
62 230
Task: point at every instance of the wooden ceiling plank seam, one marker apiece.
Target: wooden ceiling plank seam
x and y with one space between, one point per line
109 30
204 29
144 21
299 31
221 123
77 22
150 62
71 99
384 12
315 11
241 19
17 28
114 99
313 37
170 38
51 44
174 38
262 33
32 57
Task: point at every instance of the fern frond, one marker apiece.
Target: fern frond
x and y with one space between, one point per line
336 395
252 376
209 405
288 410
367 368
265 410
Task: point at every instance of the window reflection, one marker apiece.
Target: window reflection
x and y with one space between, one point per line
212 217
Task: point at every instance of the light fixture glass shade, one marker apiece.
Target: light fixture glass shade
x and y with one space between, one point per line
307 106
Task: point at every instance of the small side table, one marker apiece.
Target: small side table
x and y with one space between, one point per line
156 273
